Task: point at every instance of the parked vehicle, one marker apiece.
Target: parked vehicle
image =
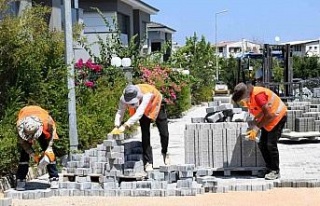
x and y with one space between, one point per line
221 88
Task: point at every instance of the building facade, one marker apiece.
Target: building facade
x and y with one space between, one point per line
235 48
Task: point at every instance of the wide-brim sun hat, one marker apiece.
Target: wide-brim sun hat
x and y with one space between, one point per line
131 94
30 127
240 91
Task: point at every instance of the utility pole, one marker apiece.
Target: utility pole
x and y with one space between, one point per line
73 133
216 41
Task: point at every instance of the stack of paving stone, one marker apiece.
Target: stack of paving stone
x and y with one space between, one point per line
115 168
221 112
222 147
316 92
303 116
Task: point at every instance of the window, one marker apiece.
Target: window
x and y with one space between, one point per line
220 49
124 23
315 48
297 47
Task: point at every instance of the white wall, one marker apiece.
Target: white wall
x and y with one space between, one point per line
312 49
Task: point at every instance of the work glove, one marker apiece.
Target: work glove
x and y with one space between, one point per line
118 130
36 157
49 153
253 133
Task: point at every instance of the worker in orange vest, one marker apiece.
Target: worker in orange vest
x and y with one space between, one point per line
145 105
35 124
270 115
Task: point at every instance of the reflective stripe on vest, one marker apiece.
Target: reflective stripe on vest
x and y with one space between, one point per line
153 108
276 106
43 115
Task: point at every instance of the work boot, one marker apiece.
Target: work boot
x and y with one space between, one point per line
272 175
148 167
21 185
166 158
54 183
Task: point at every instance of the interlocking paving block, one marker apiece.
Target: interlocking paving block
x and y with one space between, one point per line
142 192
128 185
214 103
215 117
5 201
198 120
187 192
110 185
186 167
110 143
83 185
204 172
144 184
168 168
171 192
156 175
77 193
111 192
158 193
184 183
171 177
126 193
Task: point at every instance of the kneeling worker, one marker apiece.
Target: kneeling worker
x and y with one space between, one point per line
35 124
270 115
145 105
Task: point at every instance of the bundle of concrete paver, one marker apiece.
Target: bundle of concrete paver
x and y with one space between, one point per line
303 118
216 141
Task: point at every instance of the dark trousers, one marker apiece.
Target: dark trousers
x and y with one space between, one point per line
23 166
162 124
268 145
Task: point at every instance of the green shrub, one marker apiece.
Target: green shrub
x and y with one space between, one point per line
96 108
32 71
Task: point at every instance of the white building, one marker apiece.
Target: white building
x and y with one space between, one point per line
305 47
234 48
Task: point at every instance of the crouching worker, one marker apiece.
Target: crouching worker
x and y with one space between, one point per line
35 124
270 117
145 105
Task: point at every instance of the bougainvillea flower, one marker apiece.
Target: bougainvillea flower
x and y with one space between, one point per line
89 84
79 64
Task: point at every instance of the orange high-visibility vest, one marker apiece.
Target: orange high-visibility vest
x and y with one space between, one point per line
43 115
154 105
275 104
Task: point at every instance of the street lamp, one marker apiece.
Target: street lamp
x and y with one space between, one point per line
216 41
73 132
125 65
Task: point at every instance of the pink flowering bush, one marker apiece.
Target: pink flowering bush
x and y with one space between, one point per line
87 73
163 79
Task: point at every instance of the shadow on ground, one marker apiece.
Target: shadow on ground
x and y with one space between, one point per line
36 186
302 141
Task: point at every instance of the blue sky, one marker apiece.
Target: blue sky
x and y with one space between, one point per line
260 20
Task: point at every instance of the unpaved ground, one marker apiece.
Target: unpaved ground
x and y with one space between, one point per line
274 197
